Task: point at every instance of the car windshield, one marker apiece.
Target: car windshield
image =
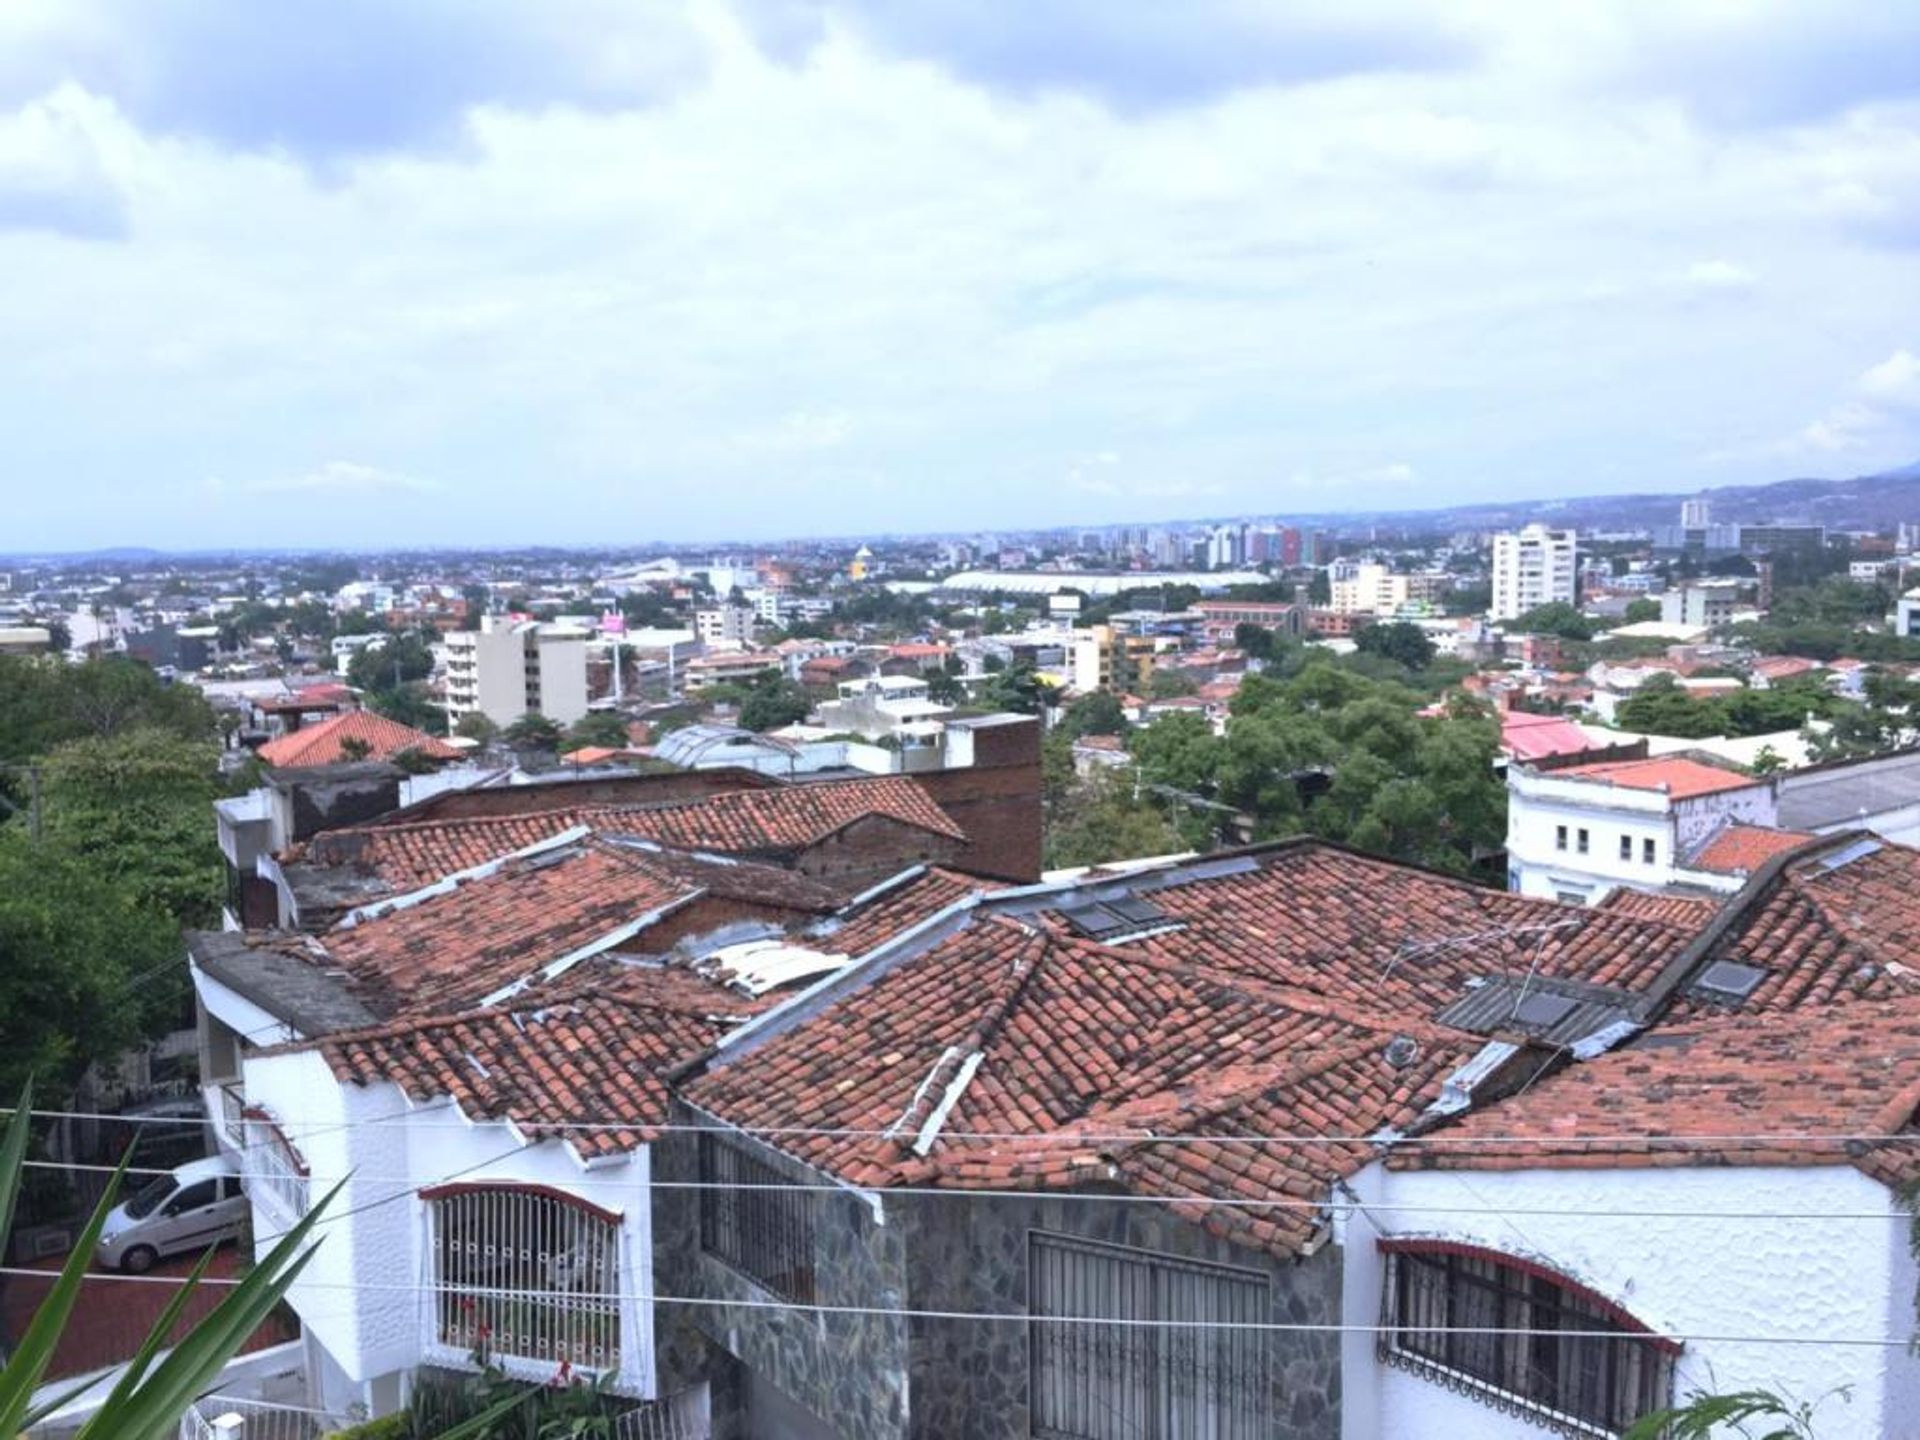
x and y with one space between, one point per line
148 1197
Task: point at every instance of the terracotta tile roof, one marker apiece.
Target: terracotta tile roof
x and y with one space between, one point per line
1824 932
322 744
1673 1099
1740 849
1782 667
1687 911
779 820
1680 777
1080 1040
450 951
900 908
1526 736
1377 934
579 1060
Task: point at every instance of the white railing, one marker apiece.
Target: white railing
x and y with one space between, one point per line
274 1164
223 1417
530 1278
672 1417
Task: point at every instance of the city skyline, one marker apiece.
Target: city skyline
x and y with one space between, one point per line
423 278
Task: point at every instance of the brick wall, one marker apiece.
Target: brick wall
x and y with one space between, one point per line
996 801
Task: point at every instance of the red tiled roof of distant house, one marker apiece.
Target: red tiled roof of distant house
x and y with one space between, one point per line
1526 736
1821 1077
1374 933
564 1069
1085 1057
920 650
1739 849
1782 667
899 908
1679 777
452 950
1687 911
593 755
781 819
324 743
1841 924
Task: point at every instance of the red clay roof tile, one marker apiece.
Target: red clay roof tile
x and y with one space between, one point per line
322 744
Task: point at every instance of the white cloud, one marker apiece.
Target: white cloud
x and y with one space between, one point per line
334 478
1719 275
1895 380
775 279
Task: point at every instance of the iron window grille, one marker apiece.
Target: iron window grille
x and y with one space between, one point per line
1441 1300
1197 1372
752 1218
525 1274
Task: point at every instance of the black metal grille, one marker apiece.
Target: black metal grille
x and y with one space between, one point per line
766 1234
1180 1371
1579 1384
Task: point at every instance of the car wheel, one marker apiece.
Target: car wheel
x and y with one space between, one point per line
139 1260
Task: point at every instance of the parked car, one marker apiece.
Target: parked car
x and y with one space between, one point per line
161 1133
186 1209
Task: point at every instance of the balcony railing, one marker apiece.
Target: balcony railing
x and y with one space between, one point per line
273 1163
223 1417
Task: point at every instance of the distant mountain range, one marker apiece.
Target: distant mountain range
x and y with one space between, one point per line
1864 502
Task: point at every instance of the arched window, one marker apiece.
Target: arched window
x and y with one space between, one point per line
1521 1336
521 1272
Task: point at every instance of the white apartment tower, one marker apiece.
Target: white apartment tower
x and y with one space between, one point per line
1533 566
1696 514
508 668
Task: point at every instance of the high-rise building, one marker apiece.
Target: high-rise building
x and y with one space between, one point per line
1531 567
1696 514
508 668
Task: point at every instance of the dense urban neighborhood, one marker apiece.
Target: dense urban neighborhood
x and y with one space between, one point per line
1238 980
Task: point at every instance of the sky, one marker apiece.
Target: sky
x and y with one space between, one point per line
386 272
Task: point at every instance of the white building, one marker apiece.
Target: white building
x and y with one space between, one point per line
1533 566
724 624
1701 603
1696 514
1579 833
510 668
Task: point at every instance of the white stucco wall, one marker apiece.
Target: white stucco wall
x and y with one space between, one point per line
1702 1276
359 1298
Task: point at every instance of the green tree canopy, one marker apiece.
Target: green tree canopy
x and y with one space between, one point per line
534 731
773 701
1557 618
599 728
1399 641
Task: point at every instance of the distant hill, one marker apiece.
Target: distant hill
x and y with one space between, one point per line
1863 502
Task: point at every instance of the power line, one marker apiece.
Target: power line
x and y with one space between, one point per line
1002 1316
1596 1139
413 1183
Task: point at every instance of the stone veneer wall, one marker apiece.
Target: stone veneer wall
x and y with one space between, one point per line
879 1379
850 1370
966 1254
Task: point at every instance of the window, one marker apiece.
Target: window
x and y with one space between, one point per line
1583 840
525 1274
1626 847
1559 837
765 1233
1646 852
194 1197
1162 1381
1442 1299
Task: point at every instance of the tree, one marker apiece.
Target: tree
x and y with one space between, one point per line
603 729
1017 689
476 727
389 665
1099 713
354 748
1169 684
1179 750
533 731
135 809
774 701
1401 641
1320 589
1638 612
45 701
1100 820
944 688
1555 618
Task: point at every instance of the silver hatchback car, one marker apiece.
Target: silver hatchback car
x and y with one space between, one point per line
186 1209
